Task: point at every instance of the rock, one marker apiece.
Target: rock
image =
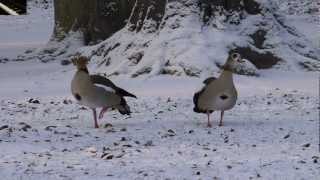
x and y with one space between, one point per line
34 101
59 132
25 126
259 37
107 125
3 60
306 145
136 57
171 132
302 162
247 68
65 101
286 136
65 62
244 68
315 159
142 71
50 128
261 60
120 155
252 7
107 156
149 143
310 65
28 51
77 135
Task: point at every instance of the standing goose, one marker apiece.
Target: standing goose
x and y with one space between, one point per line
218 94
95 91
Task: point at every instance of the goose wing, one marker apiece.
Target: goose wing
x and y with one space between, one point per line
209 80
197 95
107 83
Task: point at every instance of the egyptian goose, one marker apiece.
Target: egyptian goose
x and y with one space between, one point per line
218 94
95 91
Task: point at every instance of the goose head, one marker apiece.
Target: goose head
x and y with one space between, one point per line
81 62
233 60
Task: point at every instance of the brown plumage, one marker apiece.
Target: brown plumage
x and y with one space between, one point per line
96 91
218 94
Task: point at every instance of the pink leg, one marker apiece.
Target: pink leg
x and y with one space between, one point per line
103 110
221 124
95 118
209 123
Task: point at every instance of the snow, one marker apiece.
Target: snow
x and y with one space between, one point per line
163 138
185 46
26 31
272 132
311 30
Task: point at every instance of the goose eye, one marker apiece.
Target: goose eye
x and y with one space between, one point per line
234 56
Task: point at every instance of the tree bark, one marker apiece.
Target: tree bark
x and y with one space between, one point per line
146 10
100 19
97 19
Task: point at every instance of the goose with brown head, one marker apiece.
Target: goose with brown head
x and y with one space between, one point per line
218 94
95 91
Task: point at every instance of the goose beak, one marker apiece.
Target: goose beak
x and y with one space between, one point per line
240 60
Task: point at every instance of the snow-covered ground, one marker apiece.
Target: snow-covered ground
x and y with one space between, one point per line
272 132
19 33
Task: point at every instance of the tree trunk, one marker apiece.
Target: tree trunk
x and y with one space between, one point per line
145 10
97 19
148 23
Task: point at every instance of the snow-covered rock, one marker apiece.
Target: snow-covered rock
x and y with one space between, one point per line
185 45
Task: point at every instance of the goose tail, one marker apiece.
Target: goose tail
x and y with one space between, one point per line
124 108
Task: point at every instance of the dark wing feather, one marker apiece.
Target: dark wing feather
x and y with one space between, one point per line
97 79
195 101
198 94
123 92
196 108
124 107
209 80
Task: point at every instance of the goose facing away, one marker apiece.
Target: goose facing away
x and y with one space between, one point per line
95 91
218 94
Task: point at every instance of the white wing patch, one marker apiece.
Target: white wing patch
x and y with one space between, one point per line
109 89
